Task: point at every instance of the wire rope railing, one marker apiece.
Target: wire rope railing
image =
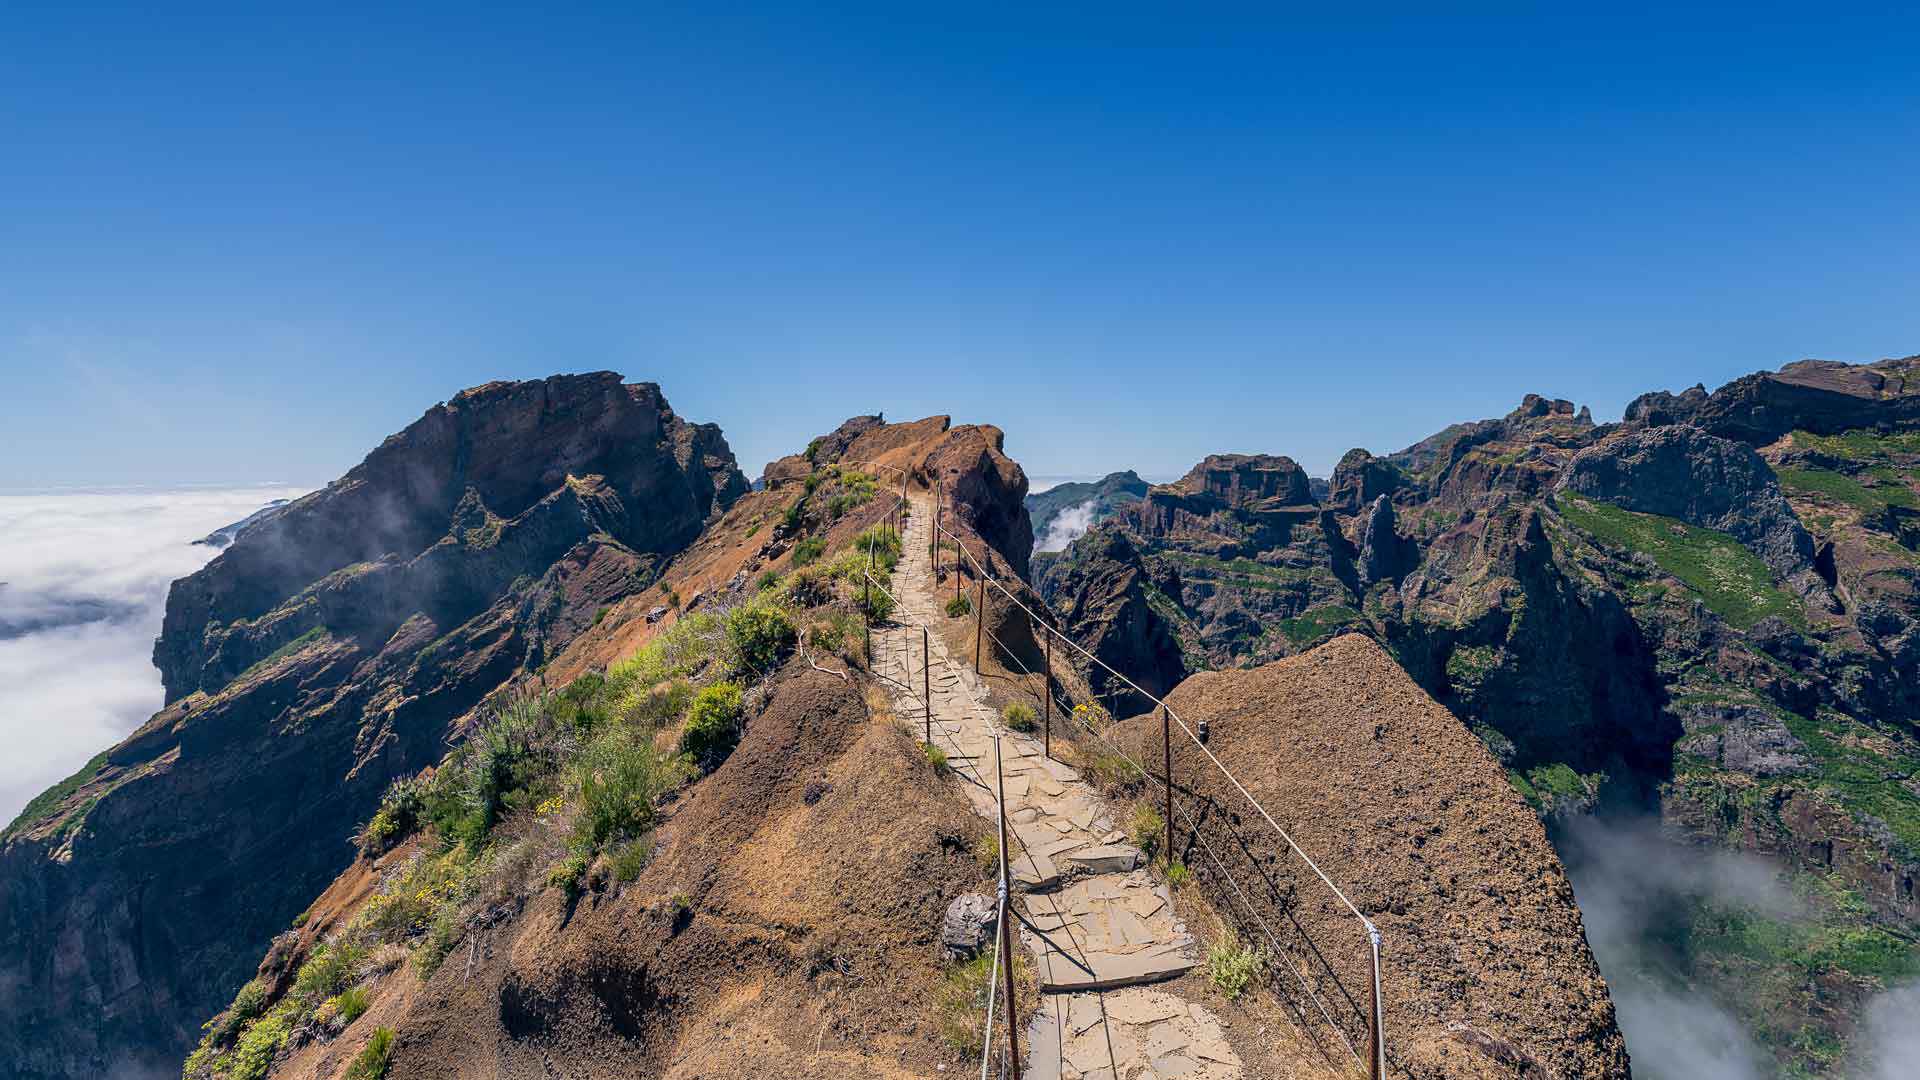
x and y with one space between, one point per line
895 517
1375 1060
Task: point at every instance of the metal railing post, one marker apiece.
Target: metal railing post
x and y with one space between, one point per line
1166 746
1376 1018
1046 692
979 621
1006 924
926 678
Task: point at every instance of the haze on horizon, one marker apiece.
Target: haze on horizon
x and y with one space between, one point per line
244 248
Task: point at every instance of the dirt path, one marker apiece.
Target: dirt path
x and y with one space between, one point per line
1102 930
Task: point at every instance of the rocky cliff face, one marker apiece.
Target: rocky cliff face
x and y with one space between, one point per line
1707 612
332 647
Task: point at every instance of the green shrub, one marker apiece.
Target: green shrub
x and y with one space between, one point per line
247 1006
1110 769
372 1061
985 850
351 1004
936 757
1231 967
600 615
809 588
399 815
657 705
883 542
470 788
328 970
618 780
876 604
768 579
682 649
809 550
1178 874
758 636
568 873
959 606
260 1043
681 904
834 632
630 858
1019 717
713 724
1147 829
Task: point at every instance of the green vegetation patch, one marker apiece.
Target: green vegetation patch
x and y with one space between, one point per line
1317 623
1860 444
1864 781
1241 572
1844 489
1730 579
318 633
48 802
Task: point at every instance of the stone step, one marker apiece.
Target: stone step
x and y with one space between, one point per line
1112 970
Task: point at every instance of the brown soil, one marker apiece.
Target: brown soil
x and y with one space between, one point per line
806 947
1485 961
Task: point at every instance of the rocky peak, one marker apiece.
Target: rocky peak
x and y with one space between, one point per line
1821 396
332 647
1360 478
486 458
1240 480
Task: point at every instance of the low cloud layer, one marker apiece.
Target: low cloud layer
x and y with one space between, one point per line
1626 877
85 585
1066 527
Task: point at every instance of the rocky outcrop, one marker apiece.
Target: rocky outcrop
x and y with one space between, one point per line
1106 600
329 649
1684 473
1821 396
1360 478
1385 555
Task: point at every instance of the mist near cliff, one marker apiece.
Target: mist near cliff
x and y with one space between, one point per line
1629 879
1066 527
83 587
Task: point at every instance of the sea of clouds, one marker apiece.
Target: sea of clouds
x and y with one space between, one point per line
85 585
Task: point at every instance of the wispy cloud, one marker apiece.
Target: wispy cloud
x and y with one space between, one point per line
1066 527
85 585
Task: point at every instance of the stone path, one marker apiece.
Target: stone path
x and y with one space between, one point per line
1102 929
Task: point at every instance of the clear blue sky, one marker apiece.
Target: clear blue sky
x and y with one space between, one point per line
245 248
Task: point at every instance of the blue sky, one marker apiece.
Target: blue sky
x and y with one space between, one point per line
240 248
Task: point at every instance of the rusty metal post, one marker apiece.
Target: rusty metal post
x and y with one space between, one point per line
979 621
1376 1018
1166 746
926 678
1046 691
1006 924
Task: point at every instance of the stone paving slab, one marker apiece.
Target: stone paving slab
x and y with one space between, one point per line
1099 926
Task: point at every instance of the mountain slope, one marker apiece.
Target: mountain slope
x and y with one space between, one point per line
1706 613
332 647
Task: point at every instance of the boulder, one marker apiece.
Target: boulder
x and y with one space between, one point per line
968 924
